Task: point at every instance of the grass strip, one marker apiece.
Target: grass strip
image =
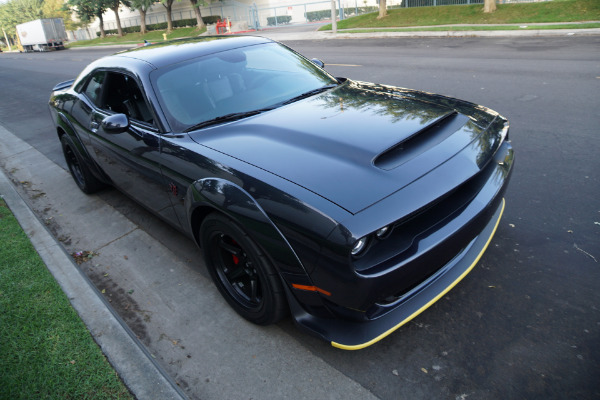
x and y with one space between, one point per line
477 28
137 37
46 352
549 11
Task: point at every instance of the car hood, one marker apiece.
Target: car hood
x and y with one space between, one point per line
357 143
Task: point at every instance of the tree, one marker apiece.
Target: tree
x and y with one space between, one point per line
168 4
87 10
142 6
382 9
196 8
58 9
16 12
114 6
489 6
101 24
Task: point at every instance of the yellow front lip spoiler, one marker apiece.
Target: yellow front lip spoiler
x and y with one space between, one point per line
430 302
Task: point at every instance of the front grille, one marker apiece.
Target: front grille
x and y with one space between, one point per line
402 242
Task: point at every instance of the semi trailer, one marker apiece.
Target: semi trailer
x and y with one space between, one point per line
42 35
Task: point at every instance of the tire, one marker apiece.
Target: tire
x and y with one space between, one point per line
241 272
80 172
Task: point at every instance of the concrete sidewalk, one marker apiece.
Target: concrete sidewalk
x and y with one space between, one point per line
181 338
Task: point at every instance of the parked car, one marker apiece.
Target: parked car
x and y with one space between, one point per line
352 205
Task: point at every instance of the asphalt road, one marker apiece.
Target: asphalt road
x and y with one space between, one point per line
526 322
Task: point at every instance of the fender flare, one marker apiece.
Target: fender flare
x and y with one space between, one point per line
236 203
68 129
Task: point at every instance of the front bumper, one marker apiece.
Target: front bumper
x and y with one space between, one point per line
372 303
355 335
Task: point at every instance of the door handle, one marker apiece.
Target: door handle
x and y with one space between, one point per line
94 126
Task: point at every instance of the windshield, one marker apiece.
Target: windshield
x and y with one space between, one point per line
236 81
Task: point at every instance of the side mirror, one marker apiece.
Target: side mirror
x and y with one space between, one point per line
116 123
318 62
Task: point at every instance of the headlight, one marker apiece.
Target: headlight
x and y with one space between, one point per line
359 246
504 132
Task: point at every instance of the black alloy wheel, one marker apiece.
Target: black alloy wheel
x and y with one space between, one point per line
82 176
241 272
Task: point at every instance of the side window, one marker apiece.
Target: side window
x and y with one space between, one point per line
93 90
123 95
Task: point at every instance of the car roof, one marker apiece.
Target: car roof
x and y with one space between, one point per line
174 51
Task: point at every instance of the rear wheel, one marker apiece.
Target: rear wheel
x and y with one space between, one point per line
241 272
80 172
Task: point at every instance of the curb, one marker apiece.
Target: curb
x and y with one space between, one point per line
446 34
141 374
328 35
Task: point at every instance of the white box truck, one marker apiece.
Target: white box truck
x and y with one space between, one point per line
42 35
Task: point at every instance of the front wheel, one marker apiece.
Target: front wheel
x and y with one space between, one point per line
241 272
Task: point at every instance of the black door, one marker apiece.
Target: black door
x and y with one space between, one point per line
131 157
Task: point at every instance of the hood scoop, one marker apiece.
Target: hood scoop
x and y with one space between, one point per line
421 141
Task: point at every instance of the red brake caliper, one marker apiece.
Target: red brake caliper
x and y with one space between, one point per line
236 260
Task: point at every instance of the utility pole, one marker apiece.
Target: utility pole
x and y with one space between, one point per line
6 38
333 20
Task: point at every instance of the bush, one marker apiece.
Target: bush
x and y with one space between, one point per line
281 19
211 19
312 16
161 26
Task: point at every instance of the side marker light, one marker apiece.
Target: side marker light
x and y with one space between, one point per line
310 289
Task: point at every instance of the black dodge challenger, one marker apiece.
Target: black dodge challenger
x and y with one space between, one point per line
352 205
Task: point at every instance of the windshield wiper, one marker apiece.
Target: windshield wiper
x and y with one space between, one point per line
227 118
245 114
309 93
